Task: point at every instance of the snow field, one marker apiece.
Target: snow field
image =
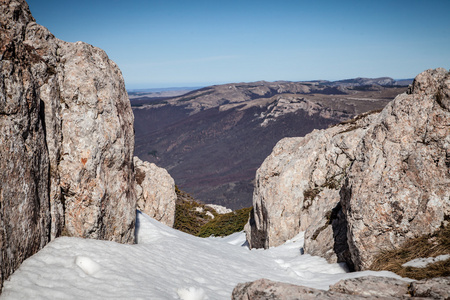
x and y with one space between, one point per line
165 264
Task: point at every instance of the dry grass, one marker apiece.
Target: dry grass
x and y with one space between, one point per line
426 246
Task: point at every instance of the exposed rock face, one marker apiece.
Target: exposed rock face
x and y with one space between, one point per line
358 288
155 190
399 185
66 141
90 137
297 186
24 160
363 186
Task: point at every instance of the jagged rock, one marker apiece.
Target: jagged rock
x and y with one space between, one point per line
66 138
24 161
90 138
155 190
363 186
398 187
370 287
263 289
436 288
308 171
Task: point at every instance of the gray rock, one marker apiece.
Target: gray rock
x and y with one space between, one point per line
363 186
90 138
398 185
297 189
370 287
435 288
66 141
155 190
24 161
263 289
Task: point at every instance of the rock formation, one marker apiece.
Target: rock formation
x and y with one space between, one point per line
366 185
66 141
24 161
155 190
398 187
369 287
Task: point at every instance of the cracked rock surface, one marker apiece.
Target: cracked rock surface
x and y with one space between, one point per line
366 185
66 141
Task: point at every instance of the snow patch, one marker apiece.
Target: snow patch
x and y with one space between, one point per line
424 262
219 208
166 264
192 293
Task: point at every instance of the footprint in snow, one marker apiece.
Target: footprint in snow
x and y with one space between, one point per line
192 293
87 265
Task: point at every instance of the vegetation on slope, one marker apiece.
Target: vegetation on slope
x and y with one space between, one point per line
226 224
200 220
430 245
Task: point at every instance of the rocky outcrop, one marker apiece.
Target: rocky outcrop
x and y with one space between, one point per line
66 141
399 184
363 186
90 137
24 161
369 287
155 190
297 187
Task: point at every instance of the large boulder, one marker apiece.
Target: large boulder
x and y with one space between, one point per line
66 141
90 137
155 190
398 186
25 220
297 188
363 186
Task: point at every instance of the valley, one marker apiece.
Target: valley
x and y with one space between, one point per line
213 139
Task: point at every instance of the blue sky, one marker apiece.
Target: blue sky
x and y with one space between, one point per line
166 43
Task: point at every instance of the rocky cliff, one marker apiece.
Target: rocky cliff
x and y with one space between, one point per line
66 141
363 186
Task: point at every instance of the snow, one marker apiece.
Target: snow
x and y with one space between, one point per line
165 264
219 209
424 262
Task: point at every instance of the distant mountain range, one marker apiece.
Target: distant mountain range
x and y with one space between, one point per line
212 140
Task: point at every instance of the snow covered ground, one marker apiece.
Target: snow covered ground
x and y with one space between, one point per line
165 264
